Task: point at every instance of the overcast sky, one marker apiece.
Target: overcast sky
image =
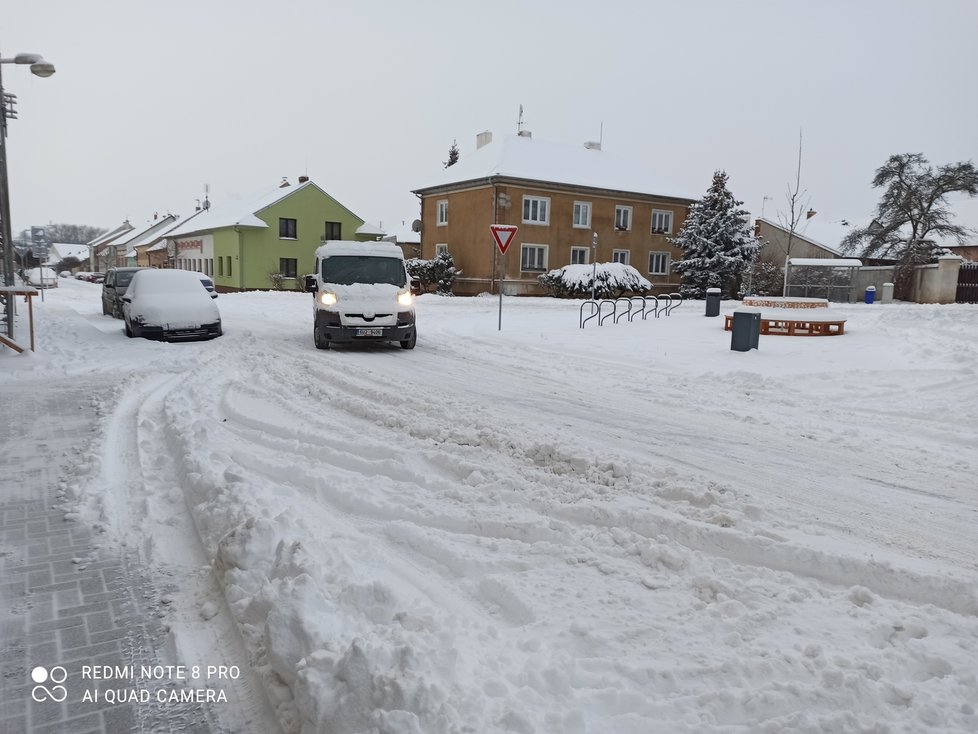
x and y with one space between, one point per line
153 100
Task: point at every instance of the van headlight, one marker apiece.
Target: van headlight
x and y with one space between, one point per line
327 299
405 298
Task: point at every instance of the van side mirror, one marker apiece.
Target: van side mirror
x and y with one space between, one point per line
311 284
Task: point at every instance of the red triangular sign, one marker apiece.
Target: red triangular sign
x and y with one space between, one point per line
503 234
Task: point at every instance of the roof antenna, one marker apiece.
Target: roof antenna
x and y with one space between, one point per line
207 202
519 125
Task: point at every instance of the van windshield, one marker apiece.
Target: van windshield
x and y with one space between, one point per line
350 269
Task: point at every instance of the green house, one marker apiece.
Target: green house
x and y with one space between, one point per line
268 242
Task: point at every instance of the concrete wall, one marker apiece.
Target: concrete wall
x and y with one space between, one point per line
938 283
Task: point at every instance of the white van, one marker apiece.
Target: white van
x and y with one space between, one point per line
361 293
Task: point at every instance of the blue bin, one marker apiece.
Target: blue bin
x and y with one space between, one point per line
871 294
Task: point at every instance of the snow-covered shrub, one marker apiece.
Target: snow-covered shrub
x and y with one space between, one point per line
611 280
763 278
439 273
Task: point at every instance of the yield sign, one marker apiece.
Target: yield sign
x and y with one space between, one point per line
503 234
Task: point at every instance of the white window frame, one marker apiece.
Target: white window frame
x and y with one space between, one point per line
621 256
546 257
441 209
623 218
662 214
542 202
660 254
585 250
440 248
581 218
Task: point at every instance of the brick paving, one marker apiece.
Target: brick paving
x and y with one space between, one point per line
64 602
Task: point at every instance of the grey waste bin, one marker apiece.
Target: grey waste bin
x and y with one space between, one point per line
746 331
712 301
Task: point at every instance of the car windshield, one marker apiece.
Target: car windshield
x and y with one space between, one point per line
350 269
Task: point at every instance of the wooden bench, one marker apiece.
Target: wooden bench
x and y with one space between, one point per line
794 327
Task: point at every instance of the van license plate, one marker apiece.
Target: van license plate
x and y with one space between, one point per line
370 332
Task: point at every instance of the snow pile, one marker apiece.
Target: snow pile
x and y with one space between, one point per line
623 529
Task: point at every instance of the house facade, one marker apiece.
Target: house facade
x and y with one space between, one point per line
811 239
266 242
571 205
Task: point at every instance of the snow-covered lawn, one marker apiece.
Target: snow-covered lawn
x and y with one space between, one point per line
617 530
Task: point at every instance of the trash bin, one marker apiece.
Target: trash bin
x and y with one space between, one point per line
870 294
712 301
746 331
887 295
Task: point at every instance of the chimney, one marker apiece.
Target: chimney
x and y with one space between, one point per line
525 134
483 139
811 213
757 227
156 215
303 179
592 145
285 183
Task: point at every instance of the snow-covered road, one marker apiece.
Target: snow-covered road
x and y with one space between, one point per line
546 529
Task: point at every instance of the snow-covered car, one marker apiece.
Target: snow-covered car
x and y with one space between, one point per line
41 277
170 305
82 275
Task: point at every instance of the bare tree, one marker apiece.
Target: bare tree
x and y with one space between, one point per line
798 201
912 213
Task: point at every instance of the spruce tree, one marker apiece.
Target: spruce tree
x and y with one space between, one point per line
717 241
452 155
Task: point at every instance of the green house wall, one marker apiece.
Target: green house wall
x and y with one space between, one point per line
255 252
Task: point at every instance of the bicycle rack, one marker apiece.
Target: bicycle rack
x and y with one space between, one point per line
626 305
640 309
628 308
601 305
595 310
673 305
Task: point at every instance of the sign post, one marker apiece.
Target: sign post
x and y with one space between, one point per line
503 234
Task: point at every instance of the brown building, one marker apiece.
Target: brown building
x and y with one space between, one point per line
571 204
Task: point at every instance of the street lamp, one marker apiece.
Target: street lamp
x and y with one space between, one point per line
42 68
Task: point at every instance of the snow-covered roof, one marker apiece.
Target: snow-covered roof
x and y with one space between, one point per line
112 234
826 262
370 230
529 159
60 251
237 213
403 234
825 234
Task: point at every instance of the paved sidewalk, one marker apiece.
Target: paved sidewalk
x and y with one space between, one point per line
65 603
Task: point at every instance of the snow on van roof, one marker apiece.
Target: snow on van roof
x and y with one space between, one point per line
351 247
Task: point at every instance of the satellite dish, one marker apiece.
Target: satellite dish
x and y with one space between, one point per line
416 225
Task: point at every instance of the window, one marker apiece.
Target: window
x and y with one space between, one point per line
582 214
661 222
619 256
658 263
287 266
220 267
333 231
443 212
579 256
229 266
286 228
536 210
533 258
441 248
623 218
